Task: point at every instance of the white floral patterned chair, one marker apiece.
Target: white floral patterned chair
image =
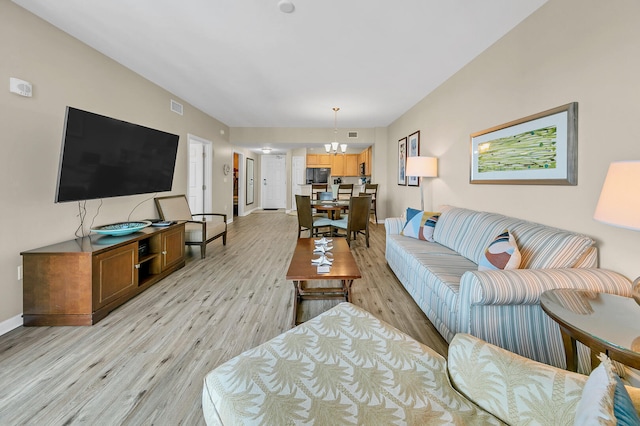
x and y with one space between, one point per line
345 367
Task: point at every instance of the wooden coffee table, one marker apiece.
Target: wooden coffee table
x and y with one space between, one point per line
302 271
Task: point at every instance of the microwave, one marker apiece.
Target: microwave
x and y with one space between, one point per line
362 169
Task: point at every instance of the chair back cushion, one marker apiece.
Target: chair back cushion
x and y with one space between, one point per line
173 208
359 208
303 206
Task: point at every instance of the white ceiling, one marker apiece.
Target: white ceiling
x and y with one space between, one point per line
249 65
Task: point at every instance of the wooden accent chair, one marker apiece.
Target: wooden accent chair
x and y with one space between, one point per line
197 232
306 220
357 222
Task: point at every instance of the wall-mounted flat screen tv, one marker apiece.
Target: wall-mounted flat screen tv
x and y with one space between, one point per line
102 157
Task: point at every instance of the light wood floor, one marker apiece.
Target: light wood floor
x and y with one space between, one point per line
145 362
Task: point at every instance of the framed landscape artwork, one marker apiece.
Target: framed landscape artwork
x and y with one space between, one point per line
402 161
413 150
541 149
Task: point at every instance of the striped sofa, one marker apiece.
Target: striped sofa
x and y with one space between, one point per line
499 307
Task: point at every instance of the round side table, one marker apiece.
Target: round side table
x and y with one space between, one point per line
604 322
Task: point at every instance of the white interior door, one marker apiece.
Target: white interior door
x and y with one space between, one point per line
200 165
274 181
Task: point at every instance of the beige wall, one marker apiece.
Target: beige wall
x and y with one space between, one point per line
301 139
65 72
569 50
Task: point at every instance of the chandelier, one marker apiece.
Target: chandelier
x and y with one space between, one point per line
333 146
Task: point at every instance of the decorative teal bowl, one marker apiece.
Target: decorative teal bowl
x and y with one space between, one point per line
122 228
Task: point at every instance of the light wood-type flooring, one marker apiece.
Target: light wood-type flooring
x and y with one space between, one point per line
145 362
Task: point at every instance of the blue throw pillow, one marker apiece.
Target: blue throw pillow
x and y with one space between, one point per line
410 214
623 408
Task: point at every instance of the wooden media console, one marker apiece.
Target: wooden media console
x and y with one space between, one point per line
78 282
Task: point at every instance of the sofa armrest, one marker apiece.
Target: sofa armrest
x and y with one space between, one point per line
515 389
393 225
487 298
524 286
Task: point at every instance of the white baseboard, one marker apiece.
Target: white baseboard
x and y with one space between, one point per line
8 325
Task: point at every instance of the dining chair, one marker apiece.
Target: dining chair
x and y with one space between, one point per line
372 189
318 188
345 191
306 220
357 222
197 232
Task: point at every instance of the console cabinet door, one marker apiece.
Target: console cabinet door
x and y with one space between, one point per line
114 274
172 247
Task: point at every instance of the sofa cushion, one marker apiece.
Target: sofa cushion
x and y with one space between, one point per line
502 253
342 367
469 232
513 388
421 225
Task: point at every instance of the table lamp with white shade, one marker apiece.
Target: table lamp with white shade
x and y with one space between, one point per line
619 203
422 167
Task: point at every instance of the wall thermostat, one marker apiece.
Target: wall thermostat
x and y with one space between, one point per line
21 87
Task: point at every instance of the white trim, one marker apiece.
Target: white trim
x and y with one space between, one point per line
208 166
242 184
10 324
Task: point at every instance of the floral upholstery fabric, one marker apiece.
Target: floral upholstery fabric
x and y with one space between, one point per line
343 367
516 389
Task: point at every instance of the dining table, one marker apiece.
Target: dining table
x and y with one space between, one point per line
333 208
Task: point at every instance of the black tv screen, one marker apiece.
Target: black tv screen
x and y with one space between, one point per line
103 157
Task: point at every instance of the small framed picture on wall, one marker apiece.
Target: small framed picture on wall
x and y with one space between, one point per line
413 150
402 161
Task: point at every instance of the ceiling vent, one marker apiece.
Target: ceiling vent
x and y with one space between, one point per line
176 107
352 135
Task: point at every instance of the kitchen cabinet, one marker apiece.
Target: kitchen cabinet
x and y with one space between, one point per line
319 160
